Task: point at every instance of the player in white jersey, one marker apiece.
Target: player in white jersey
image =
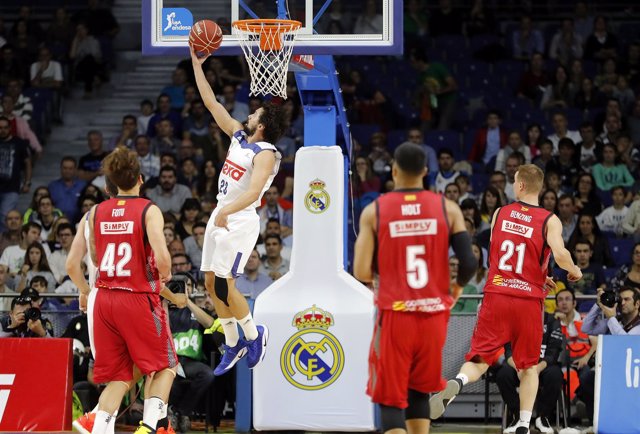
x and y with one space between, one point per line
252 163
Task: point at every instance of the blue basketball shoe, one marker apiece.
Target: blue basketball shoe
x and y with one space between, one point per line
231 356
257 348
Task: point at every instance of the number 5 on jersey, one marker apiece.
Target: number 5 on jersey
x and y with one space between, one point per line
417 271
109 265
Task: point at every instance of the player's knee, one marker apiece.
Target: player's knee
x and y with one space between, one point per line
222 290
392 418
418 405
171 371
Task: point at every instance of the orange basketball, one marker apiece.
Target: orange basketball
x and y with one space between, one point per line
205 37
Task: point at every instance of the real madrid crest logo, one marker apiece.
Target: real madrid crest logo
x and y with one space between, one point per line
317 199
312 358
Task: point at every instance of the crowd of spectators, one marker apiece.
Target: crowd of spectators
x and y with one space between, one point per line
481 97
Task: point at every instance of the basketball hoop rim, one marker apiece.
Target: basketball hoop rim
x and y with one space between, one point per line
260 26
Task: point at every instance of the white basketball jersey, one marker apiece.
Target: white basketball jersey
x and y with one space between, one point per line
235 176
91 269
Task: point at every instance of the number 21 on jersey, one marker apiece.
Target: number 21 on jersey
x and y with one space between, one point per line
509 248
115 259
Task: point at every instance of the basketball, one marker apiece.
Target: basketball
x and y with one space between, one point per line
205 37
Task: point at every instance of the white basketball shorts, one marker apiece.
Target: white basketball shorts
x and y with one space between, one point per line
91 300
226 251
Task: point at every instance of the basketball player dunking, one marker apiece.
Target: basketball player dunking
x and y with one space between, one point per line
232 231
523 235
410 229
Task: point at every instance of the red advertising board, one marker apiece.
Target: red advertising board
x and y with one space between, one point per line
36 378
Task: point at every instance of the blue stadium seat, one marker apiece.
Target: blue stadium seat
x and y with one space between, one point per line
395 138
590 68
484 83
407 112
482 41
479 118
479 181
605 197
549 32
609 273
517 108
451 43
504 67
470 69
594 113
444 139
436 54
530 115
575 117
363 132
509 71
627 33
467 143
461 118
621 249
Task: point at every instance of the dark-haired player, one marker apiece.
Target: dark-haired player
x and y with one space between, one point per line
523 234
252 163
127 245
411 230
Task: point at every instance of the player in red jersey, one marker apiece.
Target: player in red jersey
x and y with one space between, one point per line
410 229
77 256
127 245
523 235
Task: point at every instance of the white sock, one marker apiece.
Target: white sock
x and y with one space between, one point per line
152 412
230 328
95 409
525 419
102 420
111 426
163 413
463 377
248 327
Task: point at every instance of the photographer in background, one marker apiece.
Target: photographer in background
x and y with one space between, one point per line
603 318
188 326
24 321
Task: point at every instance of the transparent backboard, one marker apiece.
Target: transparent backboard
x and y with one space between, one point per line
339 27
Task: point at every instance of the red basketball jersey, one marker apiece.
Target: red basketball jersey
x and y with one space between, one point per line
519 254
125 258
413 252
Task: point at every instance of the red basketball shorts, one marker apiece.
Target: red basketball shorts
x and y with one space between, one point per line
503 319
406 353
130 328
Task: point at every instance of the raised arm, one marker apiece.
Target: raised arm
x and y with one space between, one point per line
560 253
155 223
365 245
228 124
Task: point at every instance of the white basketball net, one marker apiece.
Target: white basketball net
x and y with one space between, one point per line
267 46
